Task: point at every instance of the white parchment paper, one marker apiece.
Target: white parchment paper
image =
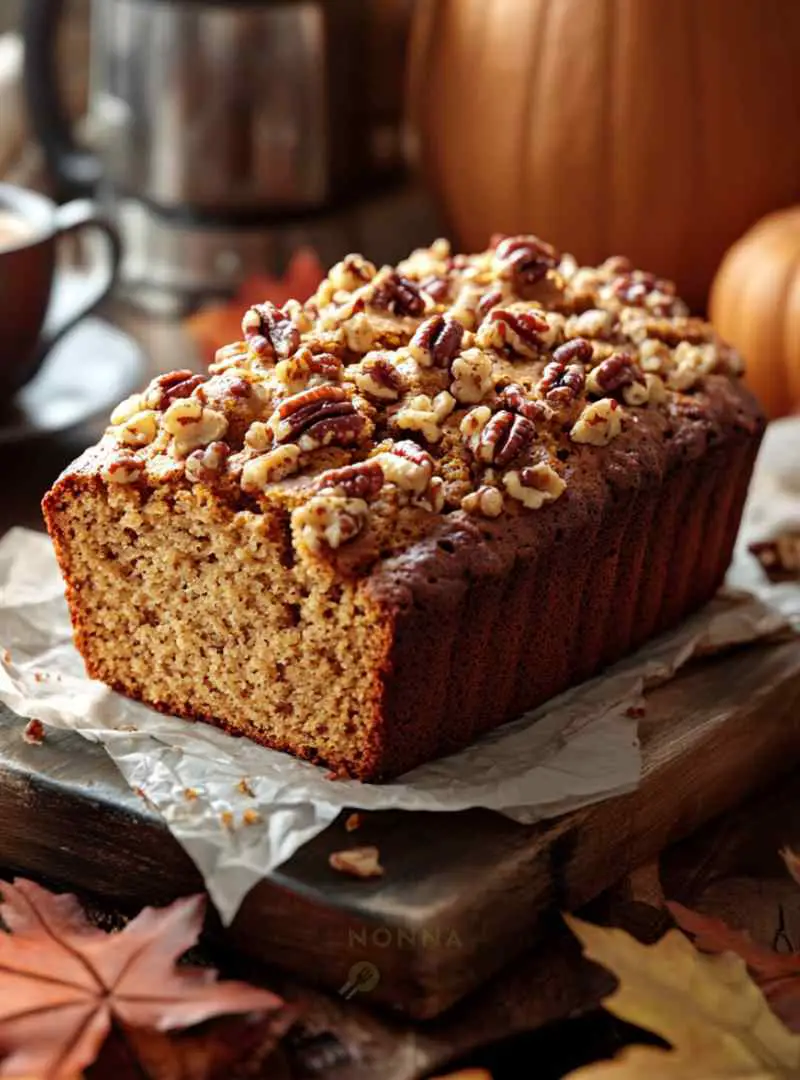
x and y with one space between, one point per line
240 810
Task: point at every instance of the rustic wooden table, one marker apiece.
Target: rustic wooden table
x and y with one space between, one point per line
731 866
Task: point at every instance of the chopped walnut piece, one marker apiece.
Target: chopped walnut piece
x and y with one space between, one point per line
598 424
691 364
594 323
522 329
123 469
360 862
472 374
378 378
139 429
33 733
193 425
204 466
269 468
351 273
128 408
407 466
305 369
328 521
535 485
487 501
422 414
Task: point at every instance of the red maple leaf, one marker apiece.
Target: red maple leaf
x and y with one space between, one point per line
778 974
64 983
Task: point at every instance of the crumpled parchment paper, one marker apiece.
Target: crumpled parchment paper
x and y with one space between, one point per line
240 810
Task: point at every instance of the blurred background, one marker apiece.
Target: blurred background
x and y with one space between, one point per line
242 146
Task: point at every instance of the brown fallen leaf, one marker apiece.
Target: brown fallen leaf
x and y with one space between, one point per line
715 1018
778 974
64 983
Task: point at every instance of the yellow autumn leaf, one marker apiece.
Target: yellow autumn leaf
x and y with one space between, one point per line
707 1007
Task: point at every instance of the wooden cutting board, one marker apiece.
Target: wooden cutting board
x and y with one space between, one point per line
463 892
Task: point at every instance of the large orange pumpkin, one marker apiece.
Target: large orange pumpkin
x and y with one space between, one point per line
755 304
658 129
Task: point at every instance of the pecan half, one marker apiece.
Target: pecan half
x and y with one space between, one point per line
322 416
437 288
378 378
613 374
522 331
360 481
437 341
269 331
642 289
504 437
526 259
172 386
514 397
398 295
564 378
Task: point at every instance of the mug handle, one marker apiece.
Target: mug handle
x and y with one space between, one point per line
71 218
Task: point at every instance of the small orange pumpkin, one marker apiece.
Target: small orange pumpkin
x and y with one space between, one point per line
755 305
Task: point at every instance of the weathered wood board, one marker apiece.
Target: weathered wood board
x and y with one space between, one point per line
462 892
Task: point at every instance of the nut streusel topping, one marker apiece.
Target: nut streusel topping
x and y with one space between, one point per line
449 384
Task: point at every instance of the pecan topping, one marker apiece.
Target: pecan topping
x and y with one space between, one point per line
360 481
488 301
269 331
123 469
503 437
525 258
528 326
641 289
437 288
514 397
322 416
563 381
204 465
305 368
613 374
328 521
172 386
437 341
378 378
398 295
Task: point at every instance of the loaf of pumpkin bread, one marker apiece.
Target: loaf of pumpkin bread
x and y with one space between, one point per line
401 513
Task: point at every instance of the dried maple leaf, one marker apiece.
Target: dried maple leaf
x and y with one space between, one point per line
221 324
778 974
63 982
716 1019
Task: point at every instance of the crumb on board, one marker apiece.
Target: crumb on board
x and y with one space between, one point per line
780 556
34 733
635 711
139 791
127 727
353 822
226 817
6 656
243 787
332 775
39 676
190 794
360 862
251 817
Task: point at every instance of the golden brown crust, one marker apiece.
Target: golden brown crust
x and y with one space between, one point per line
520 469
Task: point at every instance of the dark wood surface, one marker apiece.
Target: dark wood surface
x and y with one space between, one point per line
463 893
